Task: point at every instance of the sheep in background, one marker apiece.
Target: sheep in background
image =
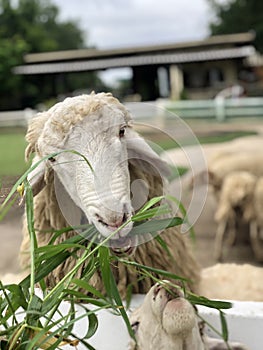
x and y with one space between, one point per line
99 127
12 278
235 205
256 224
226 162
166 320
232 282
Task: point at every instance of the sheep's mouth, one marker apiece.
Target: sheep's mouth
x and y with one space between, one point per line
173 294
124 245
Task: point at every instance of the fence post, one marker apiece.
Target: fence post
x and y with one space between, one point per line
220 113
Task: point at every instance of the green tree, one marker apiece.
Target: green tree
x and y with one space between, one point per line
236 16
29 26
36 21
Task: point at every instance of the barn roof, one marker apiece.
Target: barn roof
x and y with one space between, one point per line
213 48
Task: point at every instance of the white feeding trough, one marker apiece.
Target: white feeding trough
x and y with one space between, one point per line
244 321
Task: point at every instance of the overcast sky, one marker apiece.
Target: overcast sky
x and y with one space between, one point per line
119 23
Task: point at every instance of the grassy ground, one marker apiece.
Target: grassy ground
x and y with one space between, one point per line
12 147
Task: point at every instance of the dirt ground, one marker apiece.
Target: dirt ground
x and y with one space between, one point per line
205 227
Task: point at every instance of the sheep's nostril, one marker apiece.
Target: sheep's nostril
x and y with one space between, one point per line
156 291
99 218
124 218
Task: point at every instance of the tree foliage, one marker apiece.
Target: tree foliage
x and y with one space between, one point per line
30 26
37 22
237 16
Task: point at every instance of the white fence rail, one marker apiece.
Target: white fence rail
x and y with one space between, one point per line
219 108
16 118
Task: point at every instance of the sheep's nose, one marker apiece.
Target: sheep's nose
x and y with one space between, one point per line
115 220
171 292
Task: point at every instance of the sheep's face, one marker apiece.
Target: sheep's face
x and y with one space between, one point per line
102 188
166 321
93 181
240 186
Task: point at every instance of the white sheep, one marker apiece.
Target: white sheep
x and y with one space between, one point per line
234 207
10 278
231 281
225 162
167 321
67 191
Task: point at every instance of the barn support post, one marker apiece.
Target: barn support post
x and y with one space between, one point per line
176 82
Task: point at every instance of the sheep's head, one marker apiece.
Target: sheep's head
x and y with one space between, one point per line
166 321
242 184
97 126
236 194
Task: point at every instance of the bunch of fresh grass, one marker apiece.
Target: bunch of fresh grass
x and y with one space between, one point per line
27 319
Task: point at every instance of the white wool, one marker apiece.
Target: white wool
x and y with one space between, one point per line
232 282
10 278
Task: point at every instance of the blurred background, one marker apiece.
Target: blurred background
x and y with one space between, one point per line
199 59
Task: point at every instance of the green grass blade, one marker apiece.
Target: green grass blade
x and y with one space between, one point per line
150 203
87 287
34 310
152 212
93 323
105 268
223 326
153 226
116 296
184 213
215 304
152 269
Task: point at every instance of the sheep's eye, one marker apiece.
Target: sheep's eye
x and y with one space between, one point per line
135 326
122 131
52 159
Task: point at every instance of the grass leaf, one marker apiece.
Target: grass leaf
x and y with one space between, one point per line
200 300
154 270
153 226
223 326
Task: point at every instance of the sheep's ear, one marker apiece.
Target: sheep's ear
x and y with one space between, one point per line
142 156
36 177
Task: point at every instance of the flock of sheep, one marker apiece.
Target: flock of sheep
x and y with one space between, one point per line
99 127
